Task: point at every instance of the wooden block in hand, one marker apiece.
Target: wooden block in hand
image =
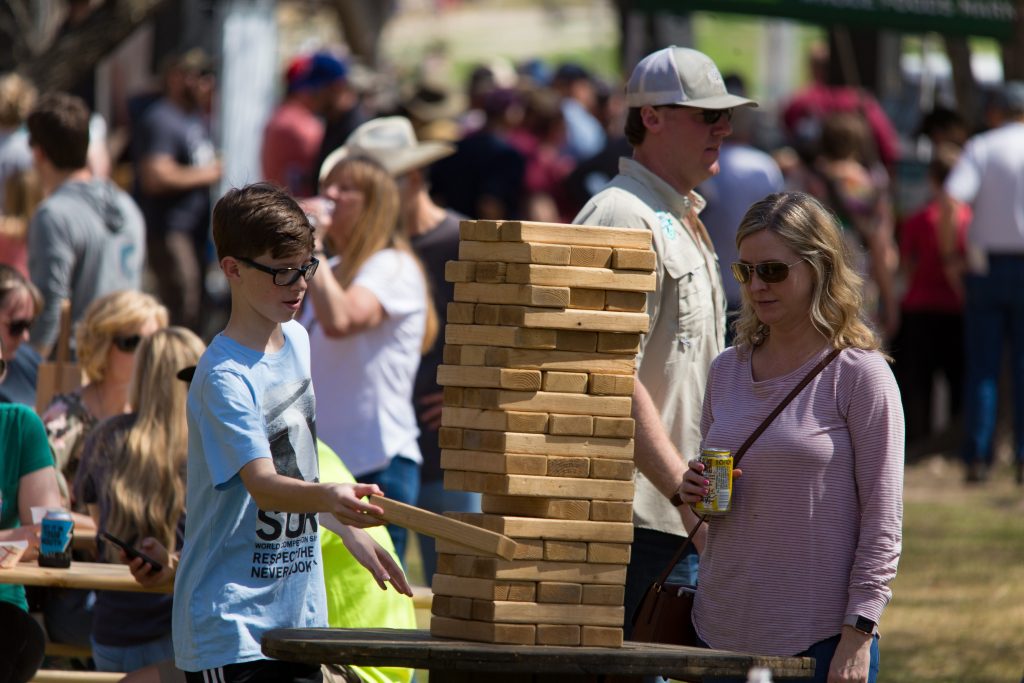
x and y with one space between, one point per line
497 378
590 278
559 360
436 526
560 592
631 259
584 235
459 271
515 252
495 420
566 382
482 632
590 257
513 294
611 385
544 508
484 589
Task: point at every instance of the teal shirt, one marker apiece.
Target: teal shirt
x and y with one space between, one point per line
23 450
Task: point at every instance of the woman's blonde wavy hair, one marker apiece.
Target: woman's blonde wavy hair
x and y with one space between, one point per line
378 227
146 486
116 313
811 231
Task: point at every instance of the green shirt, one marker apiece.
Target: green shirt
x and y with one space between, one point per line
23 450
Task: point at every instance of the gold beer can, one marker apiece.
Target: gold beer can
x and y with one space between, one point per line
718 472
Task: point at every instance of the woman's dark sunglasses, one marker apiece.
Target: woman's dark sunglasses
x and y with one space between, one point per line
710 116
285 277
18 327
128 343
771 272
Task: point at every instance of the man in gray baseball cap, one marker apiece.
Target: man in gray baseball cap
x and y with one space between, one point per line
679 113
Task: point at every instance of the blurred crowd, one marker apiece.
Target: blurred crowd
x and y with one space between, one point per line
386 180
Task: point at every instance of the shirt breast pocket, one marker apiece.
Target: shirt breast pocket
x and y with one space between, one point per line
686 274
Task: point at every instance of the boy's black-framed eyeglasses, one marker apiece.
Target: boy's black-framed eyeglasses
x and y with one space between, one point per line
710 116
285 277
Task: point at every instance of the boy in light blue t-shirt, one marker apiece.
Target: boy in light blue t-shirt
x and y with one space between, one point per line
251 559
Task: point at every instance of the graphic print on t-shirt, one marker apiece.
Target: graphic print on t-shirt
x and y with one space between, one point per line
286 542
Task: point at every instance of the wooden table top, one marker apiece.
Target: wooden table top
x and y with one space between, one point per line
418 649
94 575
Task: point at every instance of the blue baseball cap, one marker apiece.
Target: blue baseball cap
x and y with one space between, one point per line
316 71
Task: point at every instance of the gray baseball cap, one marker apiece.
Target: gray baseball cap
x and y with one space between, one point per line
680 75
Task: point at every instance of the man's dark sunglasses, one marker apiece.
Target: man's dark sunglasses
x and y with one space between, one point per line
710 116
127 343
285 277
18 327
771 272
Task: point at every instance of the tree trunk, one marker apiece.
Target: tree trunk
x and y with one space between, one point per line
1013 51
75 54
966 90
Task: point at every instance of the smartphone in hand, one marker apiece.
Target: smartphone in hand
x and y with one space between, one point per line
131 551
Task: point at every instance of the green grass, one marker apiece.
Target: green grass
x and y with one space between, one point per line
957 614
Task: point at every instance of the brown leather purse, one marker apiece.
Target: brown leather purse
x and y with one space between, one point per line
664 614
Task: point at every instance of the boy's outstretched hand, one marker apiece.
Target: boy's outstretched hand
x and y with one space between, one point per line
348 506
377 560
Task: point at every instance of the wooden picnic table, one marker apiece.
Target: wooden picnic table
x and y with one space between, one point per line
461 661
92 575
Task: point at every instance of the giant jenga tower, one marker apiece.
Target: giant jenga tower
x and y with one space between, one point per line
538 374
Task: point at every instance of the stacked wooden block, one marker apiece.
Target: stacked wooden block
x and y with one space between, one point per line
538 376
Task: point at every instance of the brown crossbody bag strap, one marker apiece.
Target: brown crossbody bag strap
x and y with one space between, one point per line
677 500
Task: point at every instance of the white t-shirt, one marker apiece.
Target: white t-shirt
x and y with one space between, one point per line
364 381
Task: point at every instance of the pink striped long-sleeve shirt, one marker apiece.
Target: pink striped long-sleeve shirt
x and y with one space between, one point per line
815 528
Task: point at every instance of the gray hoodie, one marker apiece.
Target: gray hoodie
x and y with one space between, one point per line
86 239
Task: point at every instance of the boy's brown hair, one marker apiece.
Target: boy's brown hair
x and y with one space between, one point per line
252 220
59 126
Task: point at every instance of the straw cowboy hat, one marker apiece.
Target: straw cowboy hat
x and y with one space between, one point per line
391 142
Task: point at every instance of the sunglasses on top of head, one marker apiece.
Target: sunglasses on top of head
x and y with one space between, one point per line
710 116
285 277
18 327
771 272
127 343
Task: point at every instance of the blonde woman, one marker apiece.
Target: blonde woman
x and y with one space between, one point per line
801 563
132 479
370 321
106 340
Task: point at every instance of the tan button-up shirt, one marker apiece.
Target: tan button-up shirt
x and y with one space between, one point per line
687 312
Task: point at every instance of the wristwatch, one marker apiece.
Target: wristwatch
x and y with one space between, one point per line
862 624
